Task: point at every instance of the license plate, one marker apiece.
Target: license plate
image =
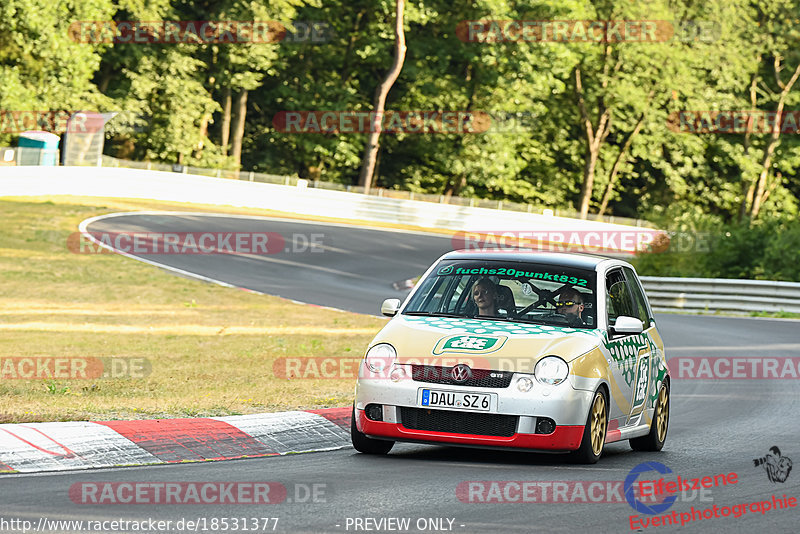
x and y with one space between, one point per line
479 402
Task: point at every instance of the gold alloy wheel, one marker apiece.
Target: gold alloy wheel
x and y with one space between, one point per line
598 428
663 414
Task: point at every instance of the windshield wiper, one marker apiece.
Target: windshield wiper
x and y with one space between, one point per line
564 321
509 319
435 314
558 320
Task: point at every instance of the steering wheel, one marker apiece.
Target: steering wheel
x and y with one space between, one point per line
571 320
526 309
511 314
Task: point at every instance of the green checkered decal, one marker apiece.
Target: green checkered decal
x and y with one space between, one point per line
625 352
481 326
660 371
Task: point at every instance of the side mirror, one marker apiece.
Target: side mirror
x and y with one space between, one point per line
390 306
627 325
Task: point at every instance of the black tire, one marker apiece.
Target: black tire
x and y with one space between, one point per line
654 440
594 432
366 445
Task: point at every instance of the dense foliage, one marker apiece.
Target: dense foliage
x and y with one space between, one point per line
766 249
596 117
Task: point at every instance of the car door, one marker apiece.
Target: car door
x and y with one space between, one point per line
643 384
625 350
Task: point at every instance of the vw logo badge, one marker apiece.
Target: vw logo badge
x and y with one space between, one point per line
461 373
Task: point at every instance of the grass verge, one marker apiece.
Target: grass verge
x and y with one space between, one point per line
210 349
776 315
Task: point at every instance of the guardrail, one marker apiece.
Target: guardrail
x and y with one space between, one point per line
721 295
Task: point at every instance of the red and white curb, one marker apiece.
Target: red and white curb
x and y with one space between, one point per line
32 447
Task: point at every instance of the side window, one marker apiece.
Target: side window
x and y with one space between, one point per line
459 298
432 299
638 297
618 297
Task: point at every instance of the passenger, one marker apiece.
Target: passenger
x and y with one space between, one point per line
484 294
570 304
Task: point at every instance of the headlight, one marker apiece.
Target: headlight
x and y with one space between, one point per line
551 370
380 357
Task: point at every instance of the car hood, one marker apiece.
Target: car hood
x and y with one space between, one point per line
483 344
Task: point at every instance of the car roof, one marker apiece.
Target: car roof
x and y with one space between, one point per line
561 259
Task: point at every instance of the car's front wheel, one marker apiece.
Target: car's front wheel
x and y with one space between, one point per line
654 440
362 443
594 433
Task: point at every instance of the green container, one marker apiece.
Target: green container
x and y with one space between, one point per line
38 148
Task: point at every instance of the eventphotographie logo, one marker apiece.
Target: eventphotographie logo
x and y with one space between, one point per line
777 467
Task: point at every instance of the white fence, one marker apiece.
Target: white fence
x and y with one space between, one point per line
722 295
193 189
251 176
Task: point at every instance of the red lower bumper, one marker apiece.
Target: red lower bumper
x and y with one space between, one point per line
565 438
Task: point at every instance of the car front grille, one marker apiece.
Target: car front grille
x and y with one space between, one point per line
481 424
481 378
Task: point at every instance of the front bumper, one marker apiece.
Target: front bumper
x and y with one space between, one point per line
565 438
565 405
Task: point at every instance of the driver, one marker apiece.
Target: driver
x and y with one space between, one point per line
570 304
484 294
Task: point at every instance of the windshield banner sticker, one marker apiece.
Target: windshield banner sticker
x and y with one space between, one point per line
508 271
471 343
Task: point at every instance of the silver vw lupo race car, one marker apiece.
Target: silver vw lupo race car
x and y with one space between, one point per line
534 351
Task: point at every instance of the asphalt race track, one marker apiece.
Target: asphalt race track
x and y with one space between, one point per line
349 268
716 427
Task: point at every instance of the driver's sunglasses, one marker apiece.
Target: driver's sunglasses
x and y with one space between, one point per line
566 303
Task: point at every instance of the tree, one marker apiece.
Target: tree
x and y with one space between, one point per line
571 124
43 65
373 139
779 49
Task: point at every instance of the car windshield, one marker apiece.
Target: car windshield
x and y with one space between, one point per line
508 291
